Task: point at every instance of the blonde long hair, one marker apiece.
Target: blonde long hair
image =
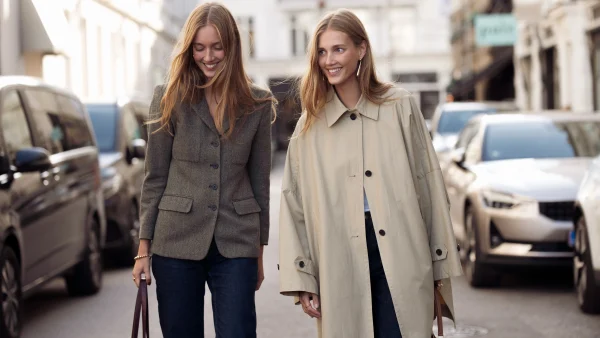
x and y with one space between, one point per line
186 83
314 85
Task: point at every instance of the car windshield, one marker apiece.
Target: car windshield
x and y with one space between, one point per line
104 121
541 139
452 122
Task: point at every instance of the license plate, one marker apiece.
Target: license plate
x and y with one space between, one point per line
572 238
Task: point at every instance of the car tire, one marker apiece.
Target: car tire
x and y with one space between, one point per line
124 256
478 274
11 293
86 278
588 290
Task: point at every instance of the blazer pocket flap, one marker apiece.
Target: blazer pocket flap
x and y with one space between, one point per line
438 252
247 206
305 265
175 203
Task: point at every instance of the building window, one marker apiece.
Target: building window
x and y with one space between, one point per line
416 77
293 32
429 101
251 37
596 68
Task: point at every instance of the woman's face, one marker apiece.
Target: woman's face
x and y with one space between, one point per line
208 51
339 56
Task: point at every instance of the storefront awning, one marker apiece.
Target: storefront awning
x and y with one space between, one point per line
44 27
467 84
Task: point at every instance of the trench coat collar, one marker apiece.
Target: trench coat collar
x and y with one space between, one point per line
334 108
203 112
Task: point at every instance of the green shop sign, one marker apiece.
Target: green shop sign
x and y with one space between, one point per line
495 30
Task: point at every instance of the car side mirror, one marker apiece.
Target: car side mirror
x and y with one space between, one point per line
138 148
32 159
458 156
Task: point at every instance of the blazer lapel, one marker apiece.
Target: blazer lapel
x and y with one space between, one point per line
201 109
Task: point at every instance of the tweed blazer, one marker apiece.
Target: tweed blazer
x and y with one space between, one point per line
199 186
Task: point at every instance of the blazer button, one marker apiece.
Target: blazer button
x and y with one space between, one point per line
214 166
212 207
214 144
353 116
438 252
368 173
213 186
301 264
382 232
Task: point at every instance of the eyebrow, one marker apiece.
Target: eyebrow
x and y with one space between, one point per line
201 44
335 46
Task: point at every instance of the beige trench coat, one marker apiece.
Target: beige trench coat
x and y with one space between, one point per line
322 225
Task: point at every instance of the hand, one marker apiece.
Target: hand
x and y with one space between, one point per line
312 309
142 265
261 271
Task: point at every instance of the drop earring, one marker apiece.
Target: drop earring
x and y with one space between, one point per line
359 64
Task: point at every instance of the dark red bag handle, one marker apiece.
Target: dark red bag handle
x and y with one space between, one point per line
141 307
438 311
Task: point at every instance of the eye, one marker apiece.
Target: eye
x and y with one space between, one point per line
321 52
218 47
198 48
339 50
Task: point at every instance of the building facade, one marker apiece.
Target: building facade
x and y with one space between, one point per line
480 73
557 56
96 48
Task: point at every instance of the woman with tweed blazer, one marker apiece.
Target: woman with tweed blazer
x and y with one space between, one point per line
205 197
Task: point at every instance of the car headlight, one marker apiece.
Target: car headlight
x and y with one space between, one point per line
502 200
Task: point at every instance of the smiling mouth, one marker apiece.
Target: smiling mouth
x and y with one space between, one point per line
334 71
212 65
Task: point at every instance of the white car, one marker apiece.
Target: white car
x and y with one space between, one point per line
586 241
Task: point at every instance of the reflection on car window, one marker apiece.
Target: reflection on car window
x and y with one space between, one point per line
541 139
452 122
104 122
14 124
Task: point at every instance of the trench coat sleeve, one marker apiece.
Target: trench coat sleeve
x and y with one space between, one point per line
433 198
156 168
296 269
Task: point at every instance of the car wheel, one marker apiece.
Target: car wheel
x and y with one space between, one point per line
10 284
86 278
477 273
588 291
125 256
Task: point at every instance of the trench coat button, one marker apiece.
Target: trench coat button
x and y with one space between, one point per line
353 116
214 166
382 232
213 186
458 247
301 264
438 252
368 173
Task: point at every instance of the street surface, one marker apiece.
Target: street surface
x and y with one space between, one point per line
535 304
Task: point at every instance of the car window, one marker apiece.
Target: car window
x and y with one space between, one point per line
541 139
14 124
467 135
73 121
452 122
131 125
104 122
45 112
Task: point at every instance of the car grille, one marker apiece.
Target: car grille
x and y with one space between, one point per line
551 247
558 211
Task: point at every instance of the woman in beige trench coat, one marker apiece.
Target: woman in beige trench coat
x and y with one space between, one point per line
364 224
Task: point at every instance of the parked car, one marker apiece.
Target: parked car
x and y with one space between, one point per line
52 219
586 241
512 183
449 119
121 136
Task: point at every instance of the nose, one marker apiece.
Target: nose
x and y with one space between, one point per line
329 60
209 55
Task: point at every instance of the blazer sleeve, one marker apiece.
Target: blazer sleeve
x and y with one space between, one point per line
156 168
259 169
433 198
297 270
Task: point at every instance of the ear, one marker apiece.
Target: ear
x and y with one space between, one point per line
362 49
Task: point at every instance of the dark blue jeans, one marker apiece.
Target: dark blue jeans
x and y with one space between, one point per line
180 286
384 316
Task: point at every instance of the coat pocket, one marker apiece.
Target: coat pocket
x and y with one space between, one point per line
247 206
175 203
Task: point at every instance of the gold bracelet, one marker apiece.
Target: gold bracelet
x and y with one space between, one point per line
141 256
